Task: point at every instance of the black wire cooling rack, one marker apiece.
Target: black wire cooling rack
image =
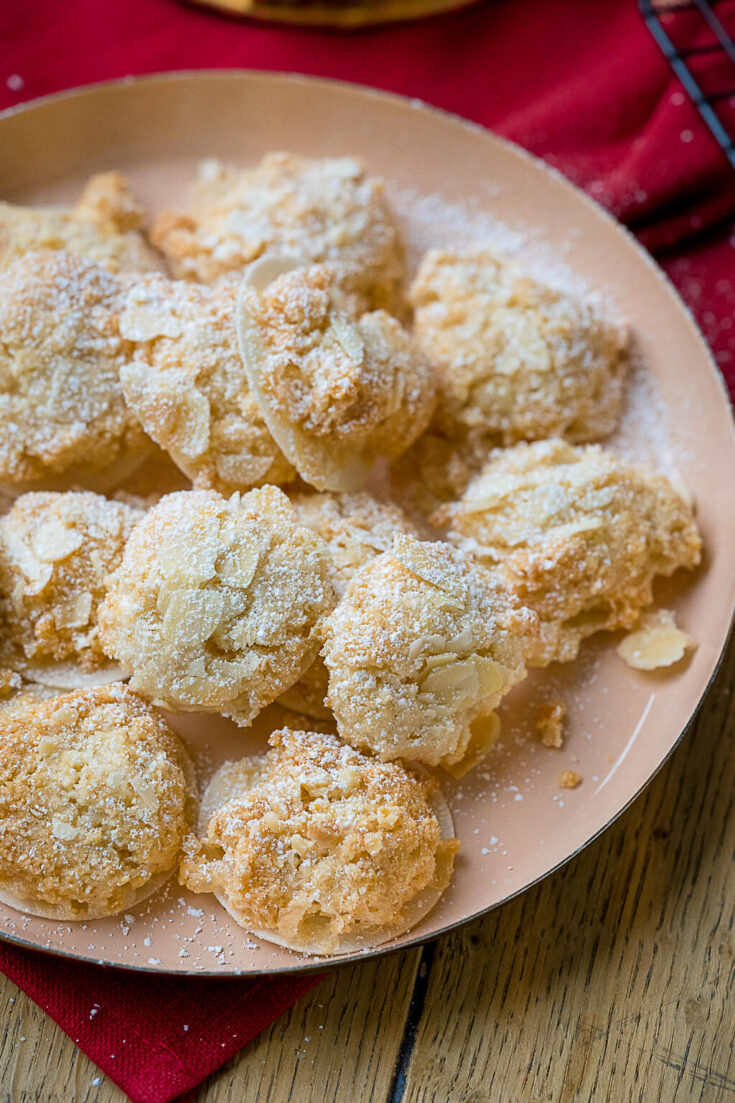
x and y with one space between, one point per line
694 39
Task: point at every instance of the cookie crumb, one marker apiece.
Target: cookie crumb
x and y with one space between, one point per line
550 724
569 779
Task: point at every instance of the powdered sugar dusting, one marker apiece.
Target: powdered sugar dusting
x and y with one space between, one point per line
644 434
430 221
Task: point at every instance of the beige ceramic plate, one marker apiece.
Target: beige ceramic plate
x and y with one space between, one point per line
514 821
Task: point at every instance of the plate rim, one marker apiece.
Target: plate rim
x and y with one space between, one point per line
362 90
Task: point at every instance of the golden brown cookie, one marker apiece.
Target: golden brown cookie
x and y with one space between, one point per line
96 795
62 411
326 210
320 848
215 604
186 384
336 391
516 360
56 551
579 535
420 651
105 226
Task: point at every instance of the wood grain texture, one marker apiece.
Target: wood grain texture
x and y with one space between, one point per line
612 981
345 1033
39 1063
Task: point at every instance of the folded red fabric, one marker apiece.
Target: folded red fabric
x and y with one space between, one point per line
156 1037
582 85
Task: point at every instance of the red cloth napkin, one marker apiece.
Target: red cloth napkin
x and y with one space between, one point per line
157 1037
582 85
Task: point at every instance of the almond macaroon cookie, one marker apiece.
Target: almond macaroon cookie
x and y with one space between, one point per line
420 651
336 391
96 796
62 410
320 848
216 603
515 360
56 551
186 384
578 535
105 226
324 209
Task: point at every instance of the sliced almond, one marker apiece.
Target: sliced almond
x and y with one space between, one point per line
237 568
193 424
572 528
485 733
192 616
242 470
69 676
491 676
348 338
232 780
232 674
424 560
656 643
74 613
464 641
37 572
269 267
190 559
427 644
145 792
434 662
457 681
491 491
53 541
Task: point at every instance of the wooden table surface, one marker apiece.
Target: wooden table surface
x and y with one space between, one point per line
610 981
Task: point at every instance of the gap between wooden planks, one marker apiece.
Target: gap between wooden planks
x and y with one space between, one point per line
612 981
